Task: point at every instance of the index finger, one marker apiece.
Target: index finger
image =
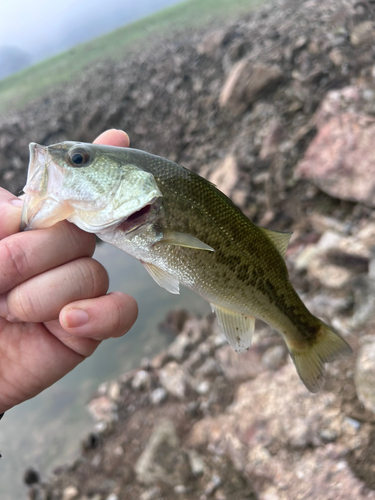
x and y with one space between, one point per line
10 213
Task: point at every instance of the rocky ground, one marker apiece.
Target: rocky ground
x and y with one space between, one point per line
278 110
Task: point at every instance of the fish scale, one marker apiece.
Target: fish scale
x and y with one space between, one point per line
184 231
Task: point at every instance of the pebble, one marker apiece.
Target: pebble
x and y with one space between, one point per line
213 485
151 494
70 493
274 357
365 375
158 396
203 387
141 380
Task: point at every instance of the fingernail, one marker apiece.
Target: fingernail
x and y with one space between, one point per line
3 306
16 202
119 130
76 317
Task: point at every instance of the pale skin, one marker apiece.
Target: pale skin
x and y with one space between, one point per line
49 283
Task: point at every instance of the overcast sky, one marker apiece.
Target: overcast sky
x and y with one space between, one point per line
44 27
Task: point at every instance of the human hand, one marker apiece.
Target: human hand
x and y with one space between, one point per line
48 285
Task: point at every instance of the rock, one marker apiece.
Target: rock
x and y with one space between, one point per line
246 82
163 459
174 379
340 159
178 350
114 390
274 357
151 494
336 102
209 368
31 476
365 376
336 56
225 176
212 43
203 387
174 321
272 139
197 465
141 380
363 33
158 396
213 485
70 493
239 366
102 408
329 275
250 435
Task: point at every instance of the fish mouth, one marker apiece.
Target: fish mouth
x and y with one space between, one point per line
140 217
39 209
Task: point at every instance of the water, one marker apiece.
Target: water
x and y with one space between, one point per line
45 432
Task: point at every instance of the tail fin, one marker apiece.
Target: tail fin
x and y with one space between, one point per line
310 361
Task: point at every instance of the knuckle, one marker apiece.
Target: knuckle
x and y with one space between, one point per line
94 278
77 238
22 305
15 260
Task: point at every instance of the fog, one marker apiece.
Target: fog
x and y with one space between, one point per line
32 31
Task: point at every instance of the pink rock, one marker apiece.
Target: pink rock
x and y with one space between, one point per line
340 160
246 82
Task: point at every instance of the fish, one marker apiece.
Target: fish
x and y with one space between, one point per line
185 232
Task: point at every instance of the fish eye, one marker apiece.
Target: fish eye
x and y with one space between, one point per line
78 157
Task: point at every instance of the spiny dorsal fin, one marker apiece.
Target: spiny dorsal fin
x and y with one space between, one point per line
171 237
279 239
238 328
162 278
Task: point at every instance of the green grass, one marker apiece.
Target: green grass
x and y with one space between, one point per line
19 89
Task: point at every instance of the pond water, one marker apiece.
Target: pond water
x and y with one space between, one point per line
45 432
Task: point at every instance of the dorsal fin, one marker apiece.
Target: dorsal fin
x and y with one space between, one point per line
279 239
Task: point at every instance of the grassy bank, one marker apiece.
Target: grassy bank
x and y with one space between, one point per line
19 89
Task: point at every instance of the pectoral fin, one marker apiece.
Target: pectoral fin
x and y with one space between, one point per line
279 239
238 328
162 278
183 240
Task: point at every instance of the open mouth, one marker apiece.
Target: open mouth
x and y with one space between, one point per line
137 218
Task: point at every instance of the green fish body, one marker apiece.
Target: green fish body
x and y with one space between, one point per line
184 231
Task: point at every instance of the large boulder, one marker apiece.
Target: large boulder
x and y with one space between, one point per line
340 159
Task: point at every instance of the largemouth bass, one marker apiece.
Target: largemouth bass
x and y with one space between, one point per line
184 231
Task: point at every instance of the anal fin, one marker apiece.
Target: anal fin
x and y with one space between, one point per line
163 278
238 328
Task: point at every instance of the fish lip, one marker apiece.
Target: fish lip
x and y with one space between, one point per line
36 152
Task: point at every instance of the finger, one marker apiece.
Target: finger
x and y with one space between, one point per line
10 213
114 137
108 316
27 254
81 346
41 298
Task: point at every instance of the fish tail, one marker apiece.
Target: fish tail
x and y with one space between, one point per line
310 360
